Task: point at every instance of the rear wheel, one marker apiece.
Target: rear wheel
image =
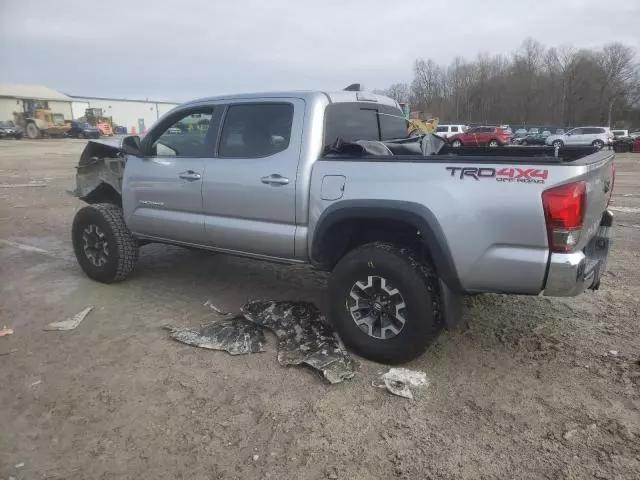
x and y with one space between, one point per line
33 131
104 247
494 143
597 144
385 302
456 143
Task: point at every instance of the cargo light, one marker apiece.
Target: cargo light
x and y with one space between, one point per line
564 208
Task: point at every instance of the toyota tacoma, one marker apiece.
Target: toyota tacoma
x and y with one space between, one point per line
406 225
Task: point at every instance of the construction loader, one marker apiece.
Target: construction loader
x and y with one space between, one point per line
42 122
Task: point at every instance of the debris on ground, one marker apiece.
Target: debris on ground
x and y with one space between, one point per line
613 353
20 465
218 310
236 336
37 382
13 350
71 322
398 381
22 185
6 331
303 337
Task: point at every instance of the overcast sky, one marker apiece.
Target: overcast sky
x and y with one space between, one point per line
182 49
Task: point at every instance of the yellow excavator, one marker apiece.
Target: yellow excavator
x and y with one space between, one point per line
416 126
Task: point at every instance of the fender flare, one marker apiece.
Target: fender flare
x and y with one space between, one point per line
413 213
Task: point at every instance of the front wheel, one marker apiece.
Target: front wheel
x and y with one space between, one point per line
33 131
385 302
104 247
597 144
557 143
456 144
494 143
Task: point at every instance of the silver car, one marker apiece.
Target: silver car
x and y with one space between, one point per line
595 136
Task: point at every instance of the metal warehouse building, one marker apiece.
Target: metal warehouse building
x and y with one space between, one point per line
135 115
132 114
21 98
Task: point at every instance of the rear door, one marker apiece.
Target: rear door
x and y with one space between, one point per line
483 136
575 137
162 189
249 187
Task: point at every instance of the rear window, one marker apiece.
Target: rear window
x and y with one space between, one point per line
454 129
361 121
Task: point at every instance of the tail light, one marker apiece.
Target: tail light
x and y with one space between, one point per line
564 209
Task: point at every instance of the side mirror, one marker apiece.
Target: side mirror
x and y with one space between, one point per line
131 145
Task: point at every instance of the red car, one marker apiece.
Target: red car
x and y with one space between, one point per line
481 137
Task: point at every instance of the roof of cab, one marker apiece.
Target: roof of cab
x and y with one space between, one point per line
333 97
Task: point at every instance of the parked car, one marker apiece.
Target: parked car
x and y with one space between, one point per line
83 130
620 133
533 131
297 178
481 137
446 131
634 135
532 139
595 136
8 129
546 133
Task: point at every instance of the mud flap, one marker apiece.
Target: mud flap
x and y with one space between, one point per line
452 308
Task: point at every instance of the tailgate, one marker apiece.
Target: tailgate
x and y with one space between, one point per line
598 172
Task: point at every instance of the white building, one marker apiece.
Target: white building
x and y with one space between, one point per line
132 114
22 98
135 115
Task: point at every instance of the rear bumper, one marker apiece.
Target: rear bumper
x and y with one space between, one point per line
571 274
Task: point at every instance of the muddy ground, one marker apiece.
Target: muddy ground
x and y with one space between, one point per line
529 391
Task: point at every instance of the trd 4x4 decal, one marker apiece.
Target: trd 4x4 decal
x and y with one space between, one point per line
509 174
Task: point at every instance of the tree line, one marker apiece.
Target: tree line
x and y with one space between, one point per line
534 85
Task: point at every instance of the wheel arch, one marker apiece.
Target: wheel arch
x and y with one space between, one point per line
341 222
102 193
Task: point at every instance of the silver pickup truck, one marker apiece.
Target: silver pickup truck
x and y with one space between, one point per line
407 226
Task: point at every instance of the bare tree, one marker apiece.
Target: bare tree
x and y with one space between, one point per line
559 86
399 92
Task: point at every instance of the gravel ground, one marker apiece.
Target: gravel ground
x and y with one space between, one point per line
529 391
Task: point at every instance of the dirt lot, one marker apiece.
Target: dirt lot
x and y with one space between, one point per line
529 391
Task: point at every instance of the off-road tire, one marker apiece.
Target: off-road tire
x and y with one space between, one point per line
418 284
32 131
122 246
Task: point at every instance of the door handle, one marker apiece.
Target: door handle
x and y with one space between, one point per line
190 175
275 179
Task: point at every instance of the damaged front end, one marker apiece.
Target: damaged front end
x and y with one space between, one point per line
100 171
